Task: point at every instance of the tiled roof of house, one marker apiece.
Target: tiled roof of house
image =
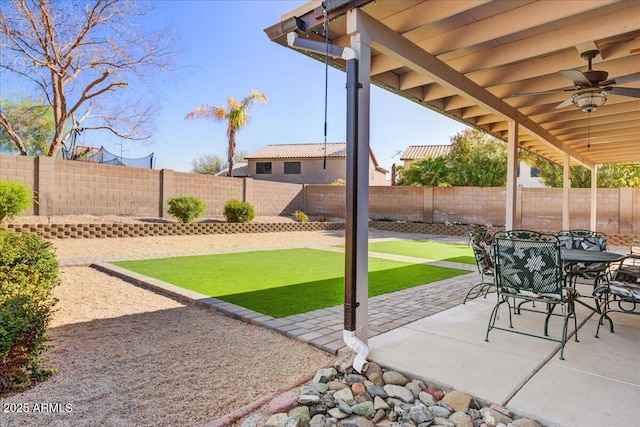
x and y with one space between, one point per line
414 152
300 151
240 169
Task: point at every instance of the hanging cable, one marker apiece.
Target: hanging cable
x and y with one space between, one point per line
326 80
588 130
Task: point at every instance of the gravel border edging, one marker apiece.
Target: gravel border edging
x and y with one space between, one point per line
233 417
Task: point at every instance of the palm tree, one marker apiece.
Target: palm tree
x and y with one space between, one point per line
236 115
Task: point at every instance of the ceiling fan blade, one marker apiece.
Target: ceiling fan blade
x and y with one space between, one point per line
543 92
576 76
626 91
623 79
565 103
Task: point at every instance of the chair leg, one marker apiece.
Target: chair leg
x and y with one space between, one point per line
475 293
564 336
550 308
603 316
575 321
493 318
604 306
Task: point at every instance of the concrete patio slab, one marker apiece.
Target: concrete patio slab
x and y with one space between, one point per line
598 383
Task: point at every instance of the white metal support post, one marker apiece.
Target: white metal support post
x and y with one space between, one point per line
594 198
566 185
512 163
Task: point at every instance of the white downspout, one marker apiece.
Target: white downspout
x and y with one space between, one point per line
361 349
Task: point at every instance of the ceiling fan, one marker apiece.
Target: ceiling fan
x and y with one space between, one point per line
591 87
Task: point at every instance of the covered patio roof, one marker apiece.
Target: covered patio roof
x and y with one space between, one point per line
468 58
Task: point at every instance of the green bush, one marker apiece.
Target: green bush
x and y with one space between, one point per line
237 211
186 208
28 274
14 199
301 216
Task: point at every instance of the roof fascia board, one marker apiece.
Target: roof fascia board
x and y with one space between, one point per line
394 45
312 19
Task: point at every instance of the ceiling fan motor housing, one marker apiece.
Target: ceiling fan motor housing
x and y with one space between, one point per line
596 77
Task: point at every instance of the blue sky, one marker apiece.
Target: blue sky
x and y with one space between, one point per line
226 53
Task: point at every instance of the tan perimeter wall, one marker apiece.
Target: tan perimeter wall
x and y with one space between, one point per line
65 187
618 209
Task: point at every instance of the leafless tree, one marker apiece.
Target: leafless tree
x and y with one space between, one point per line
88 59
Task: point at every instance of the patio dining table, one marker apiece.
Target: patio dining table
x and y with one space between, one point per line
594 264
581 255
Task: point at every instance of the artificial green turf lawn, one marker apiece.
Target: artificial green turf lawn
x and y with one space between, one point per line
280 283
426 249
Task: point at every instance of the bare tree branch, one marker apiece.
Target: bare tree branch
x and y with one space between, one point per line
75 52
4 123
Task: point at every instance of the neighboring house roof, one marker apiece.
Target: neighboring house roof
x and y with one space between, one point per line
307 151
300 151
240 169
414 152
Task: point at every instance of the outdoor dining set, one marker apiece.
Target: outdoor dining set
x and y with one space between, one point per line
545 273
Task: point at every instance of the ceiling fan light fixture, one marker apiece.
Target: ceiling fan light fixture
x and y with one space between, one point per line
589 101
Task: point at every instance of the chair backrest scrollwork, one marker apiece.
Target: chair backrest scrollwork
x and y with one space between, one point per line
528 265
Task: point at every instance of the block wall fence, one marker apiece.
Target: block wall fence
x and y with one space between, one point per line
67 188
64 187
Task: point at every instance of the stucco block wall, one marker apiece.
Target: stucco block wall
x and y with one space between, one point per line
327 200
541 208
104 189
18 169
608 215
214 191
65 187
405 203
632 216
469 204
275 198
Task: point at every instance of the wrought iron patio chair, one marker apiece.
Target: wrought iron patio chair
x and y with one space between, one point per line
585 273
481 239
629 270
634 249
583 239
530 270
617 297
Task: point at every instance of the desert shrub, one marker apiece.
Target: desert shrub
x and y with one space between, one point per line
28 274
301 216
14 199
186 208
237 211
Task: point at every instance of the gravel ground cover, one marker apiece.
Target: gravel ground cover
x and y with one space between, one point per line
128 356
